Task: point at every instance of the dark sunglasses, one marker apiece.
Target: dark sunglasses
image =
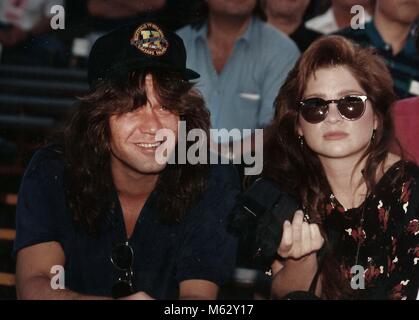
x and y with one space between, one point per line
315 110
122 259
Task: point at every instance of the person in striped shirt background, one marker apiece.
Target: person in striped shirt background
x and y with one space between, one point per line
392 34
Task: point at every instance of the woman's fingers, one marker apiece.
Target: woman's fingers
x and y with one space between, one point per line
299 238
317 239
286 241
305 239
297 222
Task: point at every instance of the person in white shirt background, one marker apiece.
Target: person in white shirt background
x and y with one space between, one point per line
339 16
26 23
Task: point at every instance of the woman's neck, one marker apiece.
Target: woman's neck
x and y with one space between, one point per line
346 183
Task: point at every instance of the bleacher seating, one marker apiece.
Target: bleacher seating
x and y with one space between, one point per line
34 102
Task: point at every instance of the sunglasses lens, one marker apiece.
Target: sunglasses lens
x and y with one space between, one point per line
121 289
314 110
122 256
351 107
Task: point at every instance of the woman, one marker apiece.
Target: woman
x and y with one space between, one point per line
329 147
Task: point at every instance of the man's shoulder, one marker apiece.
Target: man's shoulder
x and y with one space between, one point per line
221 174
48 159
223 184
220 195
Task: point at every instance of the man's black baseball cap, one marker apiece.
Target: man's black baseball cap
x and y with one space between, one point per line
136 47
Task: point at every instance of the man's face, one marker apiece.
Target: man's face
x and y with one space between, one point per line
132 142
402 11
286 7
232 7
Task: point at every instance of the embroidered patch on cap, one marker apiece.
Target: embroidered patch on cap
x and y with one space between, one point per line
149 39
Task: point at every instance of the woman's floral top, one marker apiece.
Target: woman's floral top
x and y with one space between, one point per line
386 242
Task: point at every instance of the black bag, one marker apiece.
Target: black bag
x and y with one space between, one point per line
258 218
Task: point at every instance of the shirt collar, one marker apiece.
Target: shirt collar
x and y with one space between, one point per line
201 33
410 47
378 42
375 37
247 34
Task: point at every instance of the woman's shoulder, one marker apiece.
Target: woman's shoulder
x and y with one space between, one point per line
394 165
402 177
391 160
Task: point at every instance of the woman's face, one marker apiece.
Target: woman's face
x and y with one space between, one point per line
336 137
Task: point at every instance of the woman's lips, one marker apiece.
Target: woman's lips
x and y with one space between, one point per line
335 135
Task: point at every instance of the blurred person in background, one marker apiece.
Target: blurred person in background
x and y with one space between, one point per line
339 15
105 15
287 16
242 61
26 35
392 34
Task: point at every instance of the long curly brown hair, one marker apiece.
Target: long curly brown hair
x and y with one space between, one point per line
297 169
87 150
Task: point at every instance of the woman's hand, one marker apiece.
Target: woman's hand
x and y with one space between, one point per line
300 238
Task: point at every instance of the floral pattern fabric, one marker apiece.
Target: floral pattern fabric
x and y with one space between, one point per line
386 243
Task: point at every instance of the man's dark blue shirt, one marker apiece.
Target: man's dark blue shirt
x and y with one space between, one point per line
198 247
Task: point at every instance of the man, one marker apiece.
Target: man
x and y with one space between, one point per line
106 15
242 61
339 16
391 33
25 32
103 210
287 16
